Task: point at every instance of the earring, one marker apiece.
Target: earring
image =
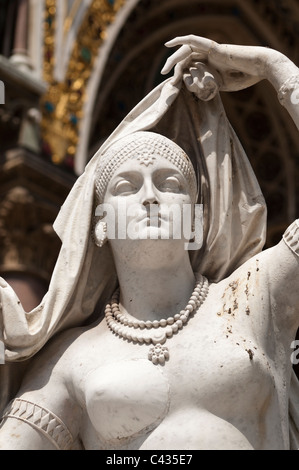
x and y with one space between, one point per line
101 234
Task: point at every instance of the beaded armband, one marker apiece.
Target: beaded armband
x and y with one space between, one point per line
42 420
290 87
291 237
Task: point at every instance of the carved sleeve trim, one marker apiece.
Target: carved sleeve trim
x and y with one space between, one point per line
291 237
289 87
41 419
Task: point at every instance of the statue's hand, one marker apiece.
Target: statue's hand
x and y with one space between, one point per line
238 67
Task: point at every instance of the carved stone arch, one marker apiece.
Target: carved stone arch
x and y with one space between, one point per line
72 73
101 59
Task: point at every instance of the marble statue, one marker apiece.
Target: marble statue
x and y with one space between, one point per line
139 342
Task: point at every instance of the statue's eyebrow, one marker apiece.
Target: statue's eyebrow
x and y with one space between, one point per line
126 174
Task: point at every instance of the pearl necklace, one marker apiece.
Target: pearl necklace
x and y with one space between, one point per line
139 331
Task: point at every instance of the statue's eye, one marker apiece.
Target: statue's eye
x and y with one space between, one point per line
124 187
171 184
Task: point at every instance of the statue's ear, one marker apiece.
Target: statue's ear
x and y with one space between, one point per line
100 233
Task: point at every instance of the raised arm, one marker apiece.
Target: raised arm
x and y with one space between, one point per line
281 274
237 67
234 68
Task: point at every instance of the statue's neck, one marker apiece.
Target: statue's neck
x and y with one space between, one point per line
155 288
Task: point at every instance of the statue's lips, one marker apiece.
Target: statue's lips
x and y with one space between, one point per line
151 220
152 216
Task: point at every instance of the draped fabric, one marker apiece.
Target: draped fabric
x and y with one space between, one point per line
84 276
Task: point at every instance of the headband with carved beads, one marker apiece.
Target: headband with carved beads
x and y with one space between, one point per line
145 148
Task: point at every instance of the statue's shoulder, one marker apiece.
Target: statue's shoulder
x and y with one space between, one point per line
60 360
72 342
252 274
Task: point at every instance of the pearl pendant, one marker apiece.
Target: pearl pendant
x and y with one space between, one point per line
158 354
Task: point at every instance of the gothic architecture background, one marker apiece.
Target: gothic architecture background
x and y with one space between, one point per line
73 69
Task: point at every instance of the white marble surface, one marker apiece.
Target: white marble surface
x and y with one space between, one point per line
227 382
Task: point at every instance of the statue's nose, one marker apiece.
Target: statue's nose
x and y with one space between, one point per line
148 202
149 194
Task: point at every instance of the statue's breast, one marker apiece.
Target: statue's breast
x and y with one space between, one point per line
125 398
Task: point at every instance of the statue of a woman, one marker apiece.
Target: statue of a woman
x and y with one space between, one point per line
140 343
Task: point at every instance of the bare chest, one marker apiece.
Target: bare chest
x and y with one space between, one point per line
216 362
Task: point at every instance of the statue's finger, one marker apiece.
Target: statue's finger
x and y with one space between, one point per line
195 42
181 54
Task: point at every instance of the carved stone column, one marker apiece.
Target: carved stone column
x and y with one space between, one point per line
20 51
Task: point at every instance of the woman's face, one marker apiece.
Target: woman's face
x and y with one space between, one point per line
148 200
